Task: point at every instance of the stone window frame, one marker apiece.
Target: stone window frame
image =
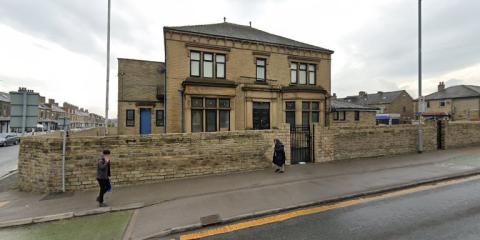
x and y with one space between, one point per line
308 80
308 108
357 116
264 66
160 122
442 103
218 109
130 122
214 64
290 110
339 117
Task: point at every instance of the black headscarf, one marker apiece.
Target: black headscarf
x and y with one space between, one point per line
278 145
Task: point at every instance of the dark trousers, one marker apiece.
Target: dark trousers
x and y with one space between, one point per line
103 189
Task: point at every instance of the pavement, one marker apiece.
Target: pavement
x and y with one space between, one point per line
167 207
8 159
441 213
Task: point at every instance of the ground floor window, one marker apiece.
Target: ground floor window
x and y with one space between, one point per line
159 117
339 116
130 122
261 115
210 114
357 116
310 113
290 113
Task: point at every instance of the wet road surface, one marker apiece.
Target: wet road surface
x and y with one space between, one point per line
450 212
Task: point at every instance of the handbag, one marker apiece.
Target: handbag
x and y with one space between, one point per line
108 186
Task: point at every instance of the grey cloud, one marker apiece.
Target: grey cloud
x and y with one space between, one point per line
79 26
387 47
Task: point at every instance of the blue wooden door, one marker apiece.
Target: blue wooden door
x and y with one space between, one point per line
145 121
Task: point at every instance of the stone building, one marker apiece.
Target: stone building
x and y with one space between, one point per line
460 102
4 112
141 88
396 102
348 114
225 76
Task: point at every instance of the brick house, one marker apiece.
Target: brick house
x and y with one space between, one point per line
348 114
226 76
4 112
141 88
460 102
396 102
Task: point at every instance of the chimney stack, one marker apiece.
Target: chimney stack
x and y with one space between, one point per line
250 23
362 93
51 101
380 92
334 96
441 86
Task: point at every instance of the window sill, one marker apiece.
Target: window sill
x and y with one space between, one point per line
261 82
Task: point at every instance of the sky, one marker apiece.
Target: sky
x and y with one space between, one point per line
58 47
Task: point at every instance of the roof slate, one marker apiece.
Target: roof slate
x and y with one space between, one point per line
459 91
374 98
342 105
237 31
4 97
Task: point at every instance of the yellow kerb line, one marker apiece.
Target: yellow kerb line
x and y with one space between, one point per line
314 210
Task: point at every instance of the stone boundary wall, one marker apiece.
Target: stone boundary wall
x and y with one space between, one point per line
459 134
339 143
144 159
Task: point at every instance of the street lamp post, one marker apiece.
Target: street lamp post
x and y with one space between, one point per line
108 68
421 101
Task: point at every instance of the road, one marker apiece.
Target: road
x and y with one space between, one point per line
447 212
8 159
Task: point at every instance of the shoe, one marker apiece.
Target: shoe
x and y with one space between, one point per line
102 205
281 171
277 170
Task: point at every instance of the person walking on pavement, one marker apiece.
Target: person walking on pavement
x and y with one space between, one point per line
279 156
103 174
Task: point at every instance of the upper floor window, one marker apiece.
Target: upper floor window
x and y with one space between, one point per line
293 73
311 74
339 116
220 65
261 69
195 64
302 73
442 103
209 65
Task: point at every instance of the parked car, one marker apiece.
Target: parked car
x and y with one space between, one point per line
9 139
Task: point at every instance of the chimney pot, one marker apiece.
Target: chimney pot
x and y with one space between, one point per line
441 86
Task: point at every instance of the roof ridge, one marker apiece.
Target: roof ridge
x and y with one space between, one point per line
473 89
281 40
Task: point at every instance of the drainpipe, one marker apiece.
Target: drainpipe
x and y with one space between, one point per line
327 111
182 91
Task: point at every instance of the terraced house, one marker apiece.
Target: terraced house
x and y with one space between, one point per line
225 76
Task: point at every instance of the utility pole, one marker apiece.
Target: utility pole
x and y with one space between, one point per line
421 101
108 68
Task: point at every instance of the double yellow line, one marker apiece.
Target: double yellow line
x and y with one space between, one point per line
309 211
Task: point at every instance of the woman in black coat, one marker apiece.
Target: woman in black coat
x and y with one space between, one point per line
279 156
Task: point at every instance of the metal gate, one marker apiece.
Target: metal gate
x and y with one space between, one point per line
301 144
440 135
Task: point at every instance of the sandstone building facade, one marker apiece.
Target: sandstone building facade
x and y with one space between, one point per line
344 114
396 102
141 87
225 76
457 103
